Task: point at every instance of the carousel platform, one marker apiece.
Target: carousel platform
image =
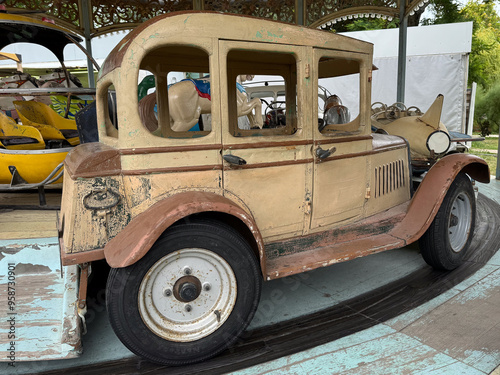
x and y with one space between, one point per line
388 313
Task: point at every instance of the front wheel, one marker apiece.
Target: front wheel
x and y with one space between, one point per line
189 298
446 242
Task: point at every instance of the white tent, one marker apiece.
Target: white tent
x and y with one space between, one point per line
437 63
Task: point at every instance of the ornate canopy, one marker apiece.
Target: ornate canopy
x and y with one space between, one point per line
106 16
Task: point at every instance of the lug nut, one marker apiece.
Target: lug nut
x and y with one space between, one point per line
187 271
167 292
188 308
207 287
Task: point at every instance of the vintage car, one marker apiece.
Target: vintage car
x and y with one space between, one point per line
428 137
192 222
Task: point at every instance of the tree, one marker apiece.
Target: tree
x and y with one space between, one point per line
484 60
444 11
487 110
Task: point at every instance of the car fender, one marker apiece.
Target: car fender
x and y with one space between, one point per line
135 240
432 190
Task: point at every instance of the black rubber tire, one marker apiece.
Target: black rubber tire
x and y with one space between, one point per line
124 283
435 244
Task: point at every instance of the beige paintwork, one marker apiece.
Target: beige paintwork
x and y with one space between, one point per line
286 200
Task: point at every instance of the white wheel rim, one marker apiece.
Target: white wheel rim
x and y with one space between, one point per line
459 224
179 320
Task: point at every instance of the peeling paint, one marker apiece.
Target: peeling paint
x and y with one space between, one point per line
44 298
26 268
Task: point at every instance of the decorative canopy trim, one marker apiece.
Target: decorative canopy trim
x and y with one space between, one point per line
415 5
354 13
109 16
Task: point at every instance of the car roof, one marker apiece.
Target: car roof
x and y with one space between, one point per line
224 26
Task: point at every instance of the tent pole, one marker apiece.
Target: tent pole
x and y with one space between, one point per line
403 28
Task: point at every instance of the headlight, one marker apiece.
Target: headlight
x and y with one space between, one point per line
439 142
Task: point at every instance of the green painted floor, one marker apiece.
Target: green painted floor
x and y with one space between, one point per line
456 333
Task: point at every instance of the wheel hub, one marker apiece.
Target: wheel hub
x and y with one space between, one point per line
187 295
187 288
460 220
453 221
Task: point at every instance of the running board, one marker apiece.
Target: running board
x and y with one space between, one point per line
292 264
322 249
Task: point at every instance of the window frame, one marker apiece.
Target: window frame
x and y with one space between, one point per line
357 125
295 90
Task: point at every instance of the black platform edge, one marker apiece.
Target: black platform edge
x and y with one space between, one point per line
362 312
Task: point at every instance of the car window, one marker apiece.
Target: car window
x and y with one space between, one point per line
262 97
338 95
175 102
110 111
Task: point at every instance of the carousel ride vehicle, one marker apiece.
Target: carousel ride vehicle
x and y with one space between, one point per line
428 137
32 150
192 221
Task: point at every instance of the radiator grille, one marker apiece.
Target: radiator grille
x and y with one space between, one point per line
389 177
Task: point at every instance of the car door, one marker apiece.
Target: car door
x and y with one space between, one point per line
342 140
267 170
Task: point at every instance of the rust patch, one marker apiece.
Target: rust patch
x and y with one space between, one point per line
70 334
372 226
26 268
83 257
432 190
30 288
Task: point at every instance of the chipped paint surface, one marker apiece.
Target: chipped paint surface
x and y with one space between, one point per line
268 36
39 321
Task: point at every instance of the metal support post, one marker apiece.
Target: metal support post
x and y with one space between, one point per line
86 12
300 6
497 175
403 28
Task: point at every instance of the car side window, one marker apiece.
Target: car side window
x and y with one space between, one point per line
262 97
338 95
175 103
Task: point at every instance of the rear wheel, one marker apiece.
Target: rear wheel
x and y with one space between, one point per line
189 297
446 242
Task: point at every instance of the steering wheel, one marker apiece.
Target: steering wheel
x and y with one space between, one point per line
393 112
381 108
414 111
274 113
274 105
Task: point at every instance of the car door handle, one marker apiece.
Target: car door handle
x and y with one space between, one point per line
233 159
323 154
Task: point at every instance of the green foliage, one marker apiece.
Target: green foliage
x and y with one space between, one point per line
484 60
362 24
487 110
444 11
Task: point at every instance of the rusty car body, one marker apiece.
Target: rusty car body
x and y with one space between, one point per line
191 222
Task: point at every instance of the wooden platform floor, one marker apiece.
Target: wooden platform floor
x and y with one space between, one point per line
22 217
30 198
24 224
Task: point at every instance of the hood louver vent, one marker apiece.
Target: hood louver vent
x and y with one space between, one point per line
389 177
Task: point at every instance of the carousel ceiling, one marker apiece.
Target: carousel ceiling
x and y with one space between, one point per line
106 16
